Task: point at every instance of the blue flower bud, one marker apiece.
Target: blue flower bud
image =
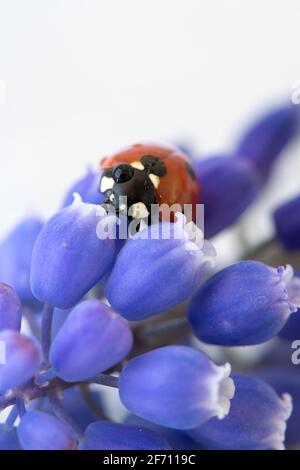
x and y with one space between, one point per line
245 303
176 386
92 339
9 439
291 330
285 380
264 141
257 419
69 258
152 275
42 431
186 147
73 402
88 188
15 258
103 435
10 309
228 187
75 405
22 359
287 224
177 439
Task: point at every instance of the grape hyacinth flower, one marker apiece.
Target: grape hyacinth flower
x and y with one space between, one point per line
42 431
103 435
263 142
92 339
22 360
223 207
176 386
291 330
8 438
257 419
75 404
87 187
287 224
15 258
10 309
69 258
243 304
153 274
285 380
93 286
176 438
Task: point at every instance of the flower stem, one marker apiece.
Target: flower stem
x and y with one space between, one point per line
44 376
47 317
20 405
11 418
92 404
165 326
106 380
62 414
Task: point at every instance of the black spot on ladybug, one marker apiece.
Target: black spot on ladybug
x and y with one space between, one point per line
154 165
190 170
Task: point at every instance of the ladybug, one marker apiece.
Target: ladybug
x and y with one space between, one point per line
147 175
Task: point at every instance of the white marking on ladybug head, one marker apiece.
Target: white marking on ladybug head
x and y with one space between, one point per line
122 206
138 211
138 165
155 180
106 184
112 197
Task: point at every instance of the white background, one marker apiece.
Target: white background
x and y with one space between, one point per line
84 78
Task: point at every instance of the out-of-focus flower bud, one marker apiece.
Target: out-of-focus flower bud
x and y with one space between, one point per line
42 431
15 258
228 187
9 439
10 309
287 224
103 435
87 187
257 419
285 380
21 359
264 141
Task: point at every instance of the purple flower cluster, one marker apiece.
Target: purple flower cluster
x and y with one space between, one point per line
79 312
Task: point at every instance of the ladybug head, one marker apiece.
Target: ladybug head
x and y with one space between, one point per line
137 181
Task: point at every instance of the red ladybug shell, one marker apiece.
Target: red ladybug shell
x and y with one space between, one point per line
178 186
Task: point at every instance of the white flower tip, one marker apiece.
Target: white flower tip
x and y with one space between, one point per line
210 254
287 273
195 240
292 286
77 199
276 440
226 391
287 402
180 218
85 208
